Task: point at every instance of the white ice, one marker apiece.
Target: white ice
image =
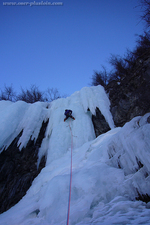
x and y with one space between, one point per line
107 170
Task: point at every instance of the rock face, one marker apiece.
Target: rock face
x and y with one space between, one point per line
18 169
100 124
131 96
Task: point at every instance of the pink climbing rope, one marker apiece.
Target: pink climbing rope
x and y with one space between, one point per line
68 214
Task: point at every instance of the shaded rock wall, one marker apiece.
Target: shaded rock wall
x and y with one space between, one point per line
18 169
100 124
130 97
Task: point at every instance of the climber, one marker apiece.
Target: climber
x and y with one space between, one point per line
68 113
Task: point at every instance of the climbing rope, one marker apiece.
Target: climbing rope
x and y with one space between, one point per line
68 214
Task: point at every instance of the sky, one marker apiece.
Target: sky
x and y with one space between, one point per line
61 46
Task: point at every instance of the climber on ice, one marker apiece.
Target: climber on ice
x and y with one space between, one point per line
68 113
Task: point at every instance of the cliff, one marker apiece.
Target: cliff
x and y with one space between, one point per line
130 96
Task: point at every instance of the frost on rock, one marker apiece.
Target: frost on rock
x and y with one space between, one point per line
96 97
130 151
109 172
15 117
58 139
29 117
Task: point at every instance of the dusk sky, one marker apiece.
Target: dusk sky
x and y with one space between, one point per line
60 46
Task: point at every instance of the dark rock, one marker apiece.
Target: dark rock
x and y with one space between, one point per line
131 96
144 198
148 119
100 124
18 169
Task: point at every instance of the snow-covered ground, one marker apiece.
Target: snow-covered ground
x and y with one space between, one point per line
108 171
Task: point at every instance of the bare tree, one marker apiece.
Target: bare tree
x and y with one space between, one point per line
146 12
120 66
51 94
100 78
8 93
31 95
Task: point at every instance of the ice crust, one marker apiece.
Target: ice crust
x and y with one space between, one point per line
107 170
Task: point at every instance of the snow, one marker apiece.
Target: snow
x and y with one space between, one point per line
20 116
107 170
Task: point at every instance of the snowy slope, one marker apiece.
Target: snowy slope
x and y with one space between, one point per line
107 170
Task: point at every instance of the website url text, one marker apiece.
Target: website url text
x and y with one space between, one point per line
42 3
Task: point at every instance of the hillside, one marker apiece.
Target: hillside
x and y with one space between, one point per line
110 179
